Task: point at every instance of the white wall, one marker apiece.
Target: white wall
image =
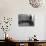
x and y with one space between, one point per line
12 8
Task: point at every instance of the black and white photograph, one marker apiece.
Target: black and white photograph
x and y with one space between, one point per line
22 22
25 20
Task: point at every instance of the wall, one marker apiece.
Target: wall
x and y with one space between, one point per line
11 8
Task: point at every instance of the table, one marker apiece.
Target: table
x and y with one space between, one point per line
28 43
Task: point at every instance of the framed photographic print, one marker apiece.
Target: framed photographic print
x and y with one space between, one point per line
25 20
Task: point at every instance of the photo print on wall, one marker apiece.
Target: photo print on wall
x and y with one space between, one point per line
25 20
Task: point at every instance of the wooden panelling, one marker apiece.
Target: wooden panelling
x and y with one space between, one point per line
17 44
44 44
40 44
25 44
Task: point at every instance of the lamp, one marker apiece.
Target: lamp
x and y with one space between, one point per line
35 3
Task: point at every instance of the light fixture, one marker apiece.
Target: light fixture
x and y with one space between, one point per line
36 3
